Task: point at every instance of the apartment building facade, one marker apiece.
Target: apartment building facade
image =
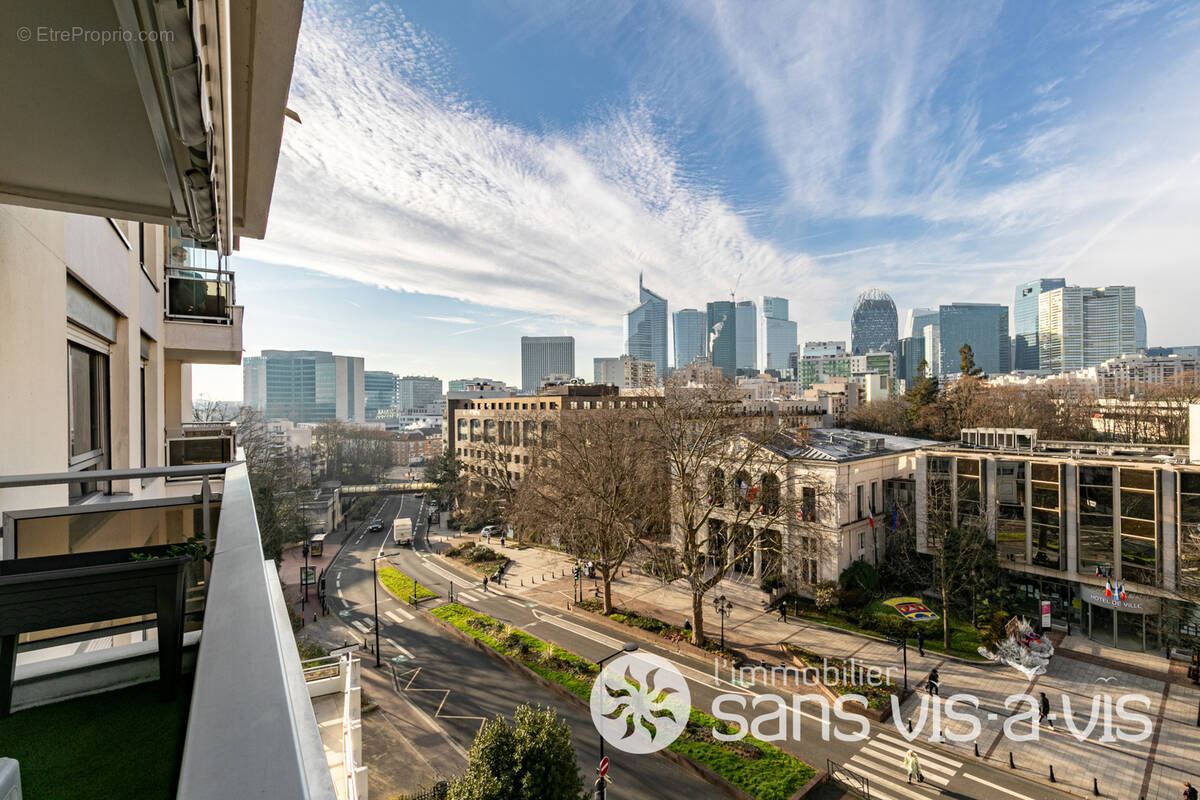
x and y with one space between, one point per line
1108 534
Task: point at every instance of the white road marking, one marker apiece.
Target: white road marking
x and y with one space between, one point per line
922 752
997 788
393 617
887 763
339 593
362 626
929 759
407 616
516 602
469 596
403 650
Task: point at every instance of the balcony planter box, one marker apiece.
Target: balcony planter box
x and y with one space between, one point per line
58 591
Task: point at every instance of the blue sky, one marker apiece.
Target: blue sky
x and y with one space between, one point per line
468 173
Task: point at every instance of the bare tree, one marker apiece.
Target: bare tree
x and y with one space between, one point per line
593 488
208 410
352 453
729 493
276 475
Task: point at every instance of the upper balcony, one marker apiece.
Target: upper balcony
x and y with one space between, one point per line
203 324
99 601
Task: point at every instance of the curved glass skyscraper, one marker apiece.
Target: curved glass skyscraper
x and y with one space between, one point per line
874 324
646 329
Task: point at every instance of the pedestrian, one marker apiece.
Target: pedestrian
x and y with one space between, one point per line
687 624
783 612
934 680
314 616
921 642
485 583
1189 791
1045 709
913 765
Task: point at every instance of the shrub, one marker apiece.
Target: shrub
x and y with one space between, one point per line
771 582
853 599
826 594
992 629
860 575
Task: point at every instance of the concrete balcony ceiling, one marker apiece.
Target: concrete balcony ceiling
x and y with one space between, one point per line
141 109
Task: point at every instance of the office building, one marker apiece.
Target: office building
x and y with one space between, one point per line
646 329
932 336
1084 326
691 336
915 320
779 335
1025 321
746 356
983 326
910 352
543 356
101 318
1139 337
417 393
380 391
607 370
306 385
1108 534
873 323
722 337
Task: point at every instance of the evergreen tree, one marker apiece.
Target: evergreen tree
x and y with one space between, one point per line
532 759
967 362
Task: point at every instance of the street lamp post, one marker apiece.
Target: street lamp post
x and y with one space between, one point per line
724 608
304 599
375 590
600 780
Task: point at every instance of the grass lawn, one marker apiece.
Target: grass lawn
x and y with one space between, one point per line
964 637
126 743
402 586
762 770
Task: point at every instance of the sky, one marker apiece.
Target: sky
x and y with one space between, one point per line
467 173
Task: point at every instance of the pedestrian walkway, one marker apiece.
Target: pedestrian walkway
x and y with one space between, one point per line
881 761
1084 680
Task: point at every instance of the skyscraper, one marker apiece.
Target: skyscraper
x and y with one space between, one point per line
873 324
1083 326
915 320
1140 335
746 314
607 370
305 385
1025 320
691 336
983 326
722 337
415 393
646 329
545 355
380 390
778 334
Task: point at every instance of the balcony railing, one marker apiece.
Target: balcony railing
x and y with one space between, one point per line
251 730
200 294
191 449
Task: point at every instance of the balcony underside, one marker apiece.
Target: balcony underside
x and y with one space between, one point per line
198 342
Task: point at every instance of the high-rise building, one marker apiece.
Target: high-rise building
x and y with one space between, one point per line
380 390
637 374
607 370
983 326
691 336
910 352
646 329
779 335
418 393
824 349
915 320
1140 335
305 385
746 357
932 336
1025 320
1083 326
542 356
722 337
873 323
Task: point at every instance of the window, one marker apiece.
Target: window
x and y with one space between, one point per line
874 495
87 389
858 501
145 429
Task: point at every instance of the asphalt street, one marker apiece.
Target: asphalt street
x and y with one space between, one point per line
455 687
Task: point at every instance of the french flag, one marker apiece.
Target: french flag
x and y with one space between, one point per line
895 517
1108 588
1121 590
871 517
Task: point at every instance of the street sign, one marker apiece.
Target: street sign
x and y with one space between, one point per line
308 576
603 768
896 640
341 651
1045 613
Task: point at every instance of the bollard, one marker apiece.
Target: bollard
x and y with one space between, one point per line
522 581
1052 774
1011 765
910 724
1096 786
977 749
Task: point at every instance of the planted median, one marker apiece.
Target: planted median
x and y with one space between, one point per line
758 768
402 586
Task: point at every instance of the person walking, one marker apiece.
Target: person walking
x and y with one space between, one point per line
934 682
913 766
783 612
1045 709
921 642
1189 791
485 579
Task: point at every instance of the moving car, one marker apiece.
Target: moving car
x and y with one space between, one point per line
376 525
491 530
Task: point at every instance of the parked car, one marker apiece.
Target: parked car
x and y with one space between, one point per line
376 525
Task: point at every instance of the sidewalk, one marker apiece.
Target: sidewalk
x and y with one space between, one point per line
1090 676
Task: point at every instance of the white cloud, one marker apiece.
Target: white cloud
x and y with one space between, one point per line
454 320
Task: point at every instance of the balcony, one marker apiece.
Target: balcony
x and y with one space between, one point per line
202 443
75 631
202 324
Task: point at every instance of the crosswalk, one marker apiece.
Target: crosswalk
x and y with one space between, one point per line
881 760
399 616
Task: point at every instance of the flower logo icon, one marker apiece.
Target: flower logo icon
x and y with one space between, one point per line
640 703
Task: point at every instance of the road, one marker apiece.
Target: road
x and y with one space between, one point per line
452 688
430 662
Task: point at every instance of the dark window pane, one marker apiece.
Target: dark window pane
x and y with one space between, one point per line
1095 476
1137 479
